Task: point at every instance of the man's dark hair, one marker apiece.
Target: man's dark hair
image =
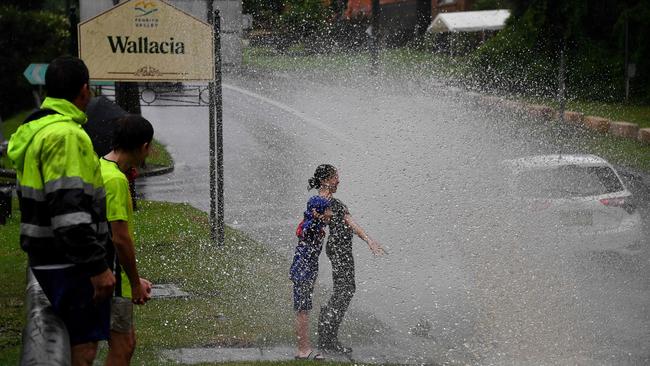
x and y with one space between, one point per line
131 132
65 76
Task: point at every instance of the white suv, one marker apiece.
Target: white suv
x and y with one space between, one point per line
574 202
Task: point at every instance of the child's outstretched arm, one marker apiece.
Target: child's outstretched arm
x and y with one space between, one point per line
373 245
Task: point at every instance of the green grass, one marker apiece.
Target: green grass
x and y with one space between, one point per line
639 114
392 61
159 155
11 124
266 58
240 292
621 151
244 281
13 264
634 113
8 127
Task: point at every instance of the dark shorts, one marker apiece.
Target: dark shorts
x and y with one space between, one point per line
303 291
71 294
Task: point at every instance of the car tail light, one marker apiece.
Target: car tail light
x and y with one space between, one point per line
621 202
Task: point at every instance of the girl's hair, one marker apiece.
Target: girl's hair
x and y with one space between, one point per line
323 171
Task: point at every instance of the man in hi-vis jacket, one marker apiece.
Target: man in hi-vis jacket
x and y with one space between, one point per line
63 224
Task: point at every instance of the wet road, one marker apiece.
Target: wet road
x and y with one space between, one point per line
418 167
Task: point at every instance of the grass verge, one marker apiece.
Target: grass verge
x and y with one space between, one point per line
13 263
8 127
394 61
240 292
621 151
159 156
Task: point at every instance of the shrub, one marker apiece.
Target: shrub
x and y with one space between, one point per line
27 37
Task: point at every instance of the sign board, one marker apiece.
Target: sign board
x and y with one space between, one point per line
35 74
147 40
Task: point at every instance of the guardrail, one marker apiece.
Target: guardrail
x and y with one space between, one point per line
45 337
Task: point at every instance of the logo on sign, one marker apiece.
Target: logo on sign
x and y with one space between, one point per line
145 14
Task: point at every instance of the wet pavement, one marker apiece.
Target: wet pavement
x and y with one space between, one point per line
418 163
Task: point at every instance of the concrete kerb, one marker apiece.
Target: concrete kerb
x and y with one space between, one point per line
644 135
597 124
574 117
541 111
155 170
624 129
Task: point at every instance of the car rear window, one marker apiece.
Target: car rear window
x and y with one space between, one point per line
567 181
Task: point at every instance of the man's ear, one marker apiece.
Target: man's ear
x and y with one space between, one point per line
83 98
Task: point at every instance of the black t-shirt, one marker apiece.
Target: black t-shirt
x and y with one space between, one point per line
340 235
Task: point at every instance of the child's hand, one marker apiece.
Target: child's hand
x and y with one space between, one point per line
375 247
325 217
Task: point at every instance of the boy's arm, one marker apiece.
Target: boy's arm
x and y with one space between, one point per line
125 249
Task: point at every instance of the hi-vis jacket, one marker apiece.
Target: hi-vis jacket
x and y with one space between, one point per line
60 190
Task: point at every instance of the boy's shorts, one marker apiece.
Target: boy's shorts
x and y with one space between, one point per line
121 315
303 292
71 294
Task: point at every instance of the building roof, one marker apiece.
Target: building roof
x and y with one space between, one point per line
469 21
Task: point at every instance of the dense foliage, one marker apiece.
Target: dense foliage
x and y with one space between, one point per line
525 56
27 37
313 23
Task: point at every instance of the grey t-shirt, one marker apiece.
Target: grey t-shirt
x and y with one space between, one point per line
340 234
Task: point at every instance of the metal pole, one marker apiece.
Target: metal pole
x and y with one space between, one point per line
374 36
561 94
627 59
217 230
212 137
217 71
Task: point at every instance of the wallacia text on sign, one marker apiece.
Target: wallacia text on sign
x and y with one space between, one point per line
147 40
124 44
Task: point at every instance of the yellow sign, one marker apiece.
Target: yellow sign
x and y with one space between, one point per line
147 40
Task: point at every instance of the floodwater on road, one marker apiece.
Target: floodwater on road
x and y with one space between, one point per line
420 169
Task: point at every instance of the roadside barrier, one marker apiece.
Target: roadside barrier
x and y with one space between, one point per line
45 338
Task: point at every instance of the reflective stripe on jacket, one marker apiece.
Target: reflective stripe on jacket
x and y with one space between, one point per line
60 190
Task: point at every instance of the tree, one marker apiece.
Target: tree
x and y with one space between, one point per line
524 57
28 37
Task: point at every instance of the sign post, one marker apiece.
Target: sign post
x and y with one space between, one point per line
152 41
216 135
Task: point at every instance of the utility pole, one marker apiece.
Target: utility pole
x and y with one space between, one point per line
627 58
561 93
374 37
215 134
423 12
